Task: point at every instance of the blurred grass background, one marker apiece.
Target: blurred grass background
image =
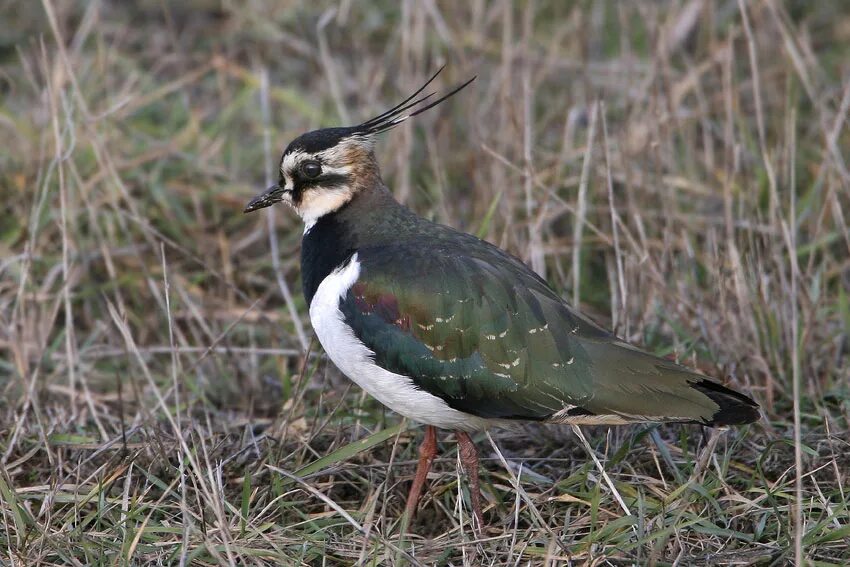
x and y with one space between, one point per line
676 168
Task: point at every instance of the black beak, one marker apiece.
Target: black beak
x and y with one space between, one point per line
268 197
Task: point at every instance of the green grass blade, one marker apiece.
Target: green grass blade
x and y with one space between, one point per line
346 452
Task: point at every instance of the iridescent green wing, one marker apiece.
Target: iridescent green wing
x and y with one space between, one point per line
475 327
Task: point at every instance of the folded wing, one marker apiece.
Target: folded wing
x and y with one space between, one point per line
488 336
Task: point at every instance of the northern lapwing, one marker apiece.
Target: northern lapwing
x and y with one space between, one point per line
448 329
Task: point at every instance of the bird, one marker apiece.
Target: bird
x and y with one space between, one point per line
448 329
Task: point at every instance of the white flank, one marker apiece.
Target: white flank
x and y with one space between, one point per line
356 361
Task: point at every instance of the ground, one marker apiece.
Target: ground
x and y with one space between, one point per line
677 169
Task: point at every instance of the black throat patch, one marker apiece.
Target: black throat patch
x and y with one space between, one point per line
326 246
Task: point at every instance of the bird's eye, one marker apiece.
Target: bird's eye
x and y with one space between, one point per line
311 169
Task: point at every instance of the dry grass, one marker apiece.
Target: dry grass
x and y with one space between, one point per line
679 168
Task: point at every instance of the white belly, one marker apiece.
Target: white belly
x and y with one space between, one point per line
356 361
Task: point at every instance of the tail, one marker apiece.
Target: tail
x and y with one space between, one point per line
631 385
734 408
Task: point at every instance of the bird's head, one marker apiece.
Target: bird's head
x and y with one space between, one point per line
321 171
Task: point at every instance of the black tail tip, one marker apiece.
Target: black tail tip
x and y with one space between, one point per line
735 408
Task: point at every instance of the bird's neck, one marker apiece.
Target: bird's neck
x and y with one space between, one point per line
370 218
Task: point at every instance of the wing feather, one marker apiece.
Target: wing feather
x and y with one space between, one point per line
487 335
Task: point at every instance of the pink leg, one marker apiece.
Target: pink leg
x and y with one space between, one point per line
469 459
427 452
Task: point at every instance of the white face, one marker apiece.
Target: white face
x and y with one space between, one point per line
319 183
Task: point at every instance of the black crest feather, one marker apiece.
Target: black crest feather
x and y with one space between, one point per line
399 113
319 140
